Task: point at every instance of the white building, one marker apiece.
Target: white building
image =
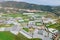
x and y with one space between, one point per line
28 13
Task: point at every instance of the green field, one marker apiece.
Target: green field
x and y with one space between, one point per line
38 23
6 25
55 26
42 13
9 36
26 29
6 36
14 15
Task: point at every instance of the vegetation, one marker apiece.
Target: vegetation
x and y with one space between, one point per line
6 36
6 25
9 36
26 29
38 23
55 26
13 15
26 5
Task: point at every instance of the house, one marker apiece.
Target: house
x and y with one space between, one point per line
31 23
53 30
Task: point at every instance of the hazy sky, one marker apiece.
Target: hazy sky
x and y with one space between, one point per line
42 2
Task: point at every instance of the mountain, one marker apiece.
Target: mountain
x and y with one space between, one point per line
24 5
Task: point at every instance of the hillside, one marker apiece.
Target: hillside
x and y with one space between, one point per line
24 5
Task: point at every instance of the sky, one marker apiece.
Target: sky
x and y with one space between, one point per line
40 2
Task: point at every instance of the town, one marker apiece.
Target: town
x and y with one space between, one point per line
31 25
29 20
